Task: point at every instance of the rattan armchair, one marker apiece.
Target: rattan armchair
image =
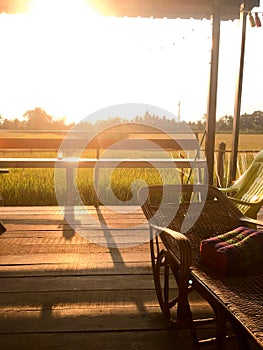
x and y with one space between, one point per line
247 191
180 217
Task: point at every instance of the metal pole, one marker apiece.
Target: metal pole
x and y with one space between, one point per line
179 112
212 95
236 120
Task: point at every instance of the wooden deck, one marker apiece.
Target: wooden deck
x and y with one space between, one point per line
59 290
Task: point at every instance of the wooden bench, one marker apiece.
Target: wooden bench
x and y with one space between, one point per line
180 217
109 149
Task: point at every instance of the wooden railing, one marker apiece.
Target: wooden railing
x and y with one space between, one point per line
182 145
182 151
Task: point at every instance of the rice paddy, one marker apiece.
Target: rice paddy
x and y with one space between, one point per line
36 186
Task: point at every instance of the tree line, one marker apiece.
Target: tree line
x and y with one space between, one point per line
38 119
249 123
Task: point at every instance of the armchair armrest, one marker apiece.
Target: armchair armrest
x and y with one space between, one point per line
251 221
229 189
170 238
241 201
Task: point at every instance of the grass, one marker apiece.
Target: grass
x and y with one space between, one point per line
36 186
246 141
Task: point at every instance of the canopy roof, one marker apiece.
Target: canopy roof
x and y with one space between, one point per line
150 8
170 8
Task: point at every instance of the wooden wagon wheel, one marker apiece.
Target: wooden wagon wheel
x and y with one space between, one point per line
166 276
167 296
162 277
175 308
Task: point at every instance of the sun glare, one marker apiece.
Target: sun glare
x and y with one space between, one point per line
67 58
73 61
62 8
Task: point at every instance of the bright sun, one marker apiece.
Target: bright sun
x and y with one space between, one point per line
65 8
59 54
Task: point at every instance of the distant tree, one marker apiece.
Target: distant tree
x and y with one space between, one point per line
252 121
59 124
7 124
37 119
104 124
198 126
17 124
248 123
258 120
225 123
156 121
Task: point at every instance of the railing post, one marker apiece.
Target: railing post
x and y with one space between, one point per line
70 186
70 182
221 163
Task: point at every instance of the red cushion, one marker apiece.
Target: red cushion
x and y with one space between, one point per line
234 252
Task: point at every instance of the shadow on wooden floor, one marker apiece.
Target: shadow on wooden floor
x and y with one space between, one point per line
60 291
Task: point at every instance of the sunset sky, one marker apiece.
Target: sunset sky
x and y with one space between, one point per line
76 62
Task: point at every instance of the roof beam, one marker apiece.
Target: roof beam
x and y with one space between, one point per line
148 8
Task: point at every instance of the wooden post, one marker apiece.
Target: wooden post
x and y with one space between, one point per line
235 134
221 164
212 95
70 187
70 182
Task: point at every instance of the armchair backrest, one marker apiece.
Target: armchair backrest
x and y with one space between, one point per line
198 211
247 191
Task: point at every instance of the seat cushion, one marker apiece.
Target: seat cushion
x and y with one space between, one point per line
234 252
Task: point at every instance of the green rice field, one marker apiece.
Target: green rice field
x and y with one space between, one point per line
36 186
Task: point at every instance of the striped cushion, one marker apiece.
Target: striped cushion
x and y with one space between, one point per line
235 252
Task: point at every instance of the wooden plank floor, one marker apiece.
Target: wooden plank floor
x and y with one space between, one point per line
88 288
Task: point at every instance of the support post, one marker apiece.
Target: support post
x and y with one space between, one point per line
221 164
236 120
212 95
